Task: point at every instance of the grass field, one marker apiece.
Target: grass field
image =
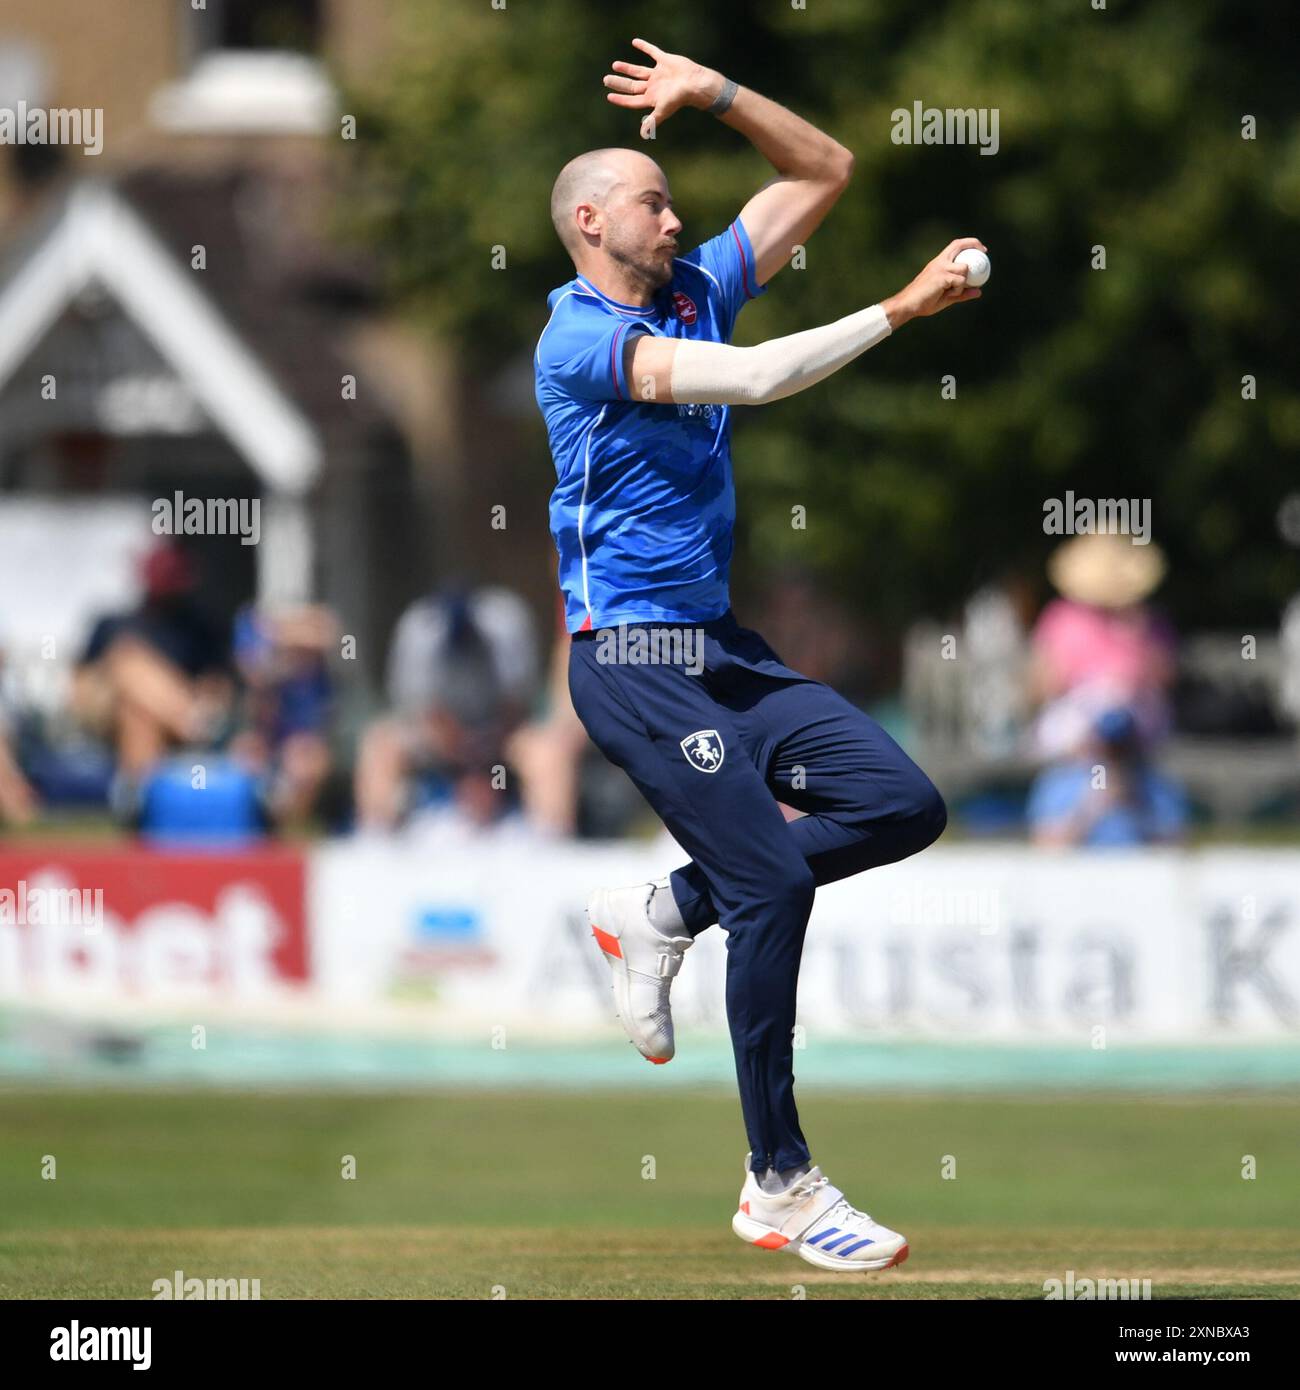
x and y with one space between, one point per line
543 1195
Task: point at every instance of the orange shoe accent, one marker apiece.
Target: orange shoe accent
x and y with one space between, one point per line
744 1206
771 1241
608 944
898 1259
659 1061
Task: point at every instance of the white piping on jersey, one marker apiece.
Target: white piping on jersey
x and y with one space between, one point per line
678 260
537 351
582 510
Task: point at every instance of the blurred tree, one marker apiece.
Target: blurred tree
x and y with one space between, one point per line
1119 128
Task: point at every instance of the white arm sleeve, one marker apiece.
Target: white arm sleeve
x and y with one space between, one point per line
718 374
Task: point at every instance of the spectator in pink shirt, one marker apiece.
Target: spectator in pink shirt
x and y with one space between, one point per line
1099 647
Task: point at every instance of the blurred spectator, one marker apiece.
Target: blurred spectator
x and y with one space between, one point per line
1108 796
18 802
288 704
1099 646
995 655
214 803
461 673
157 676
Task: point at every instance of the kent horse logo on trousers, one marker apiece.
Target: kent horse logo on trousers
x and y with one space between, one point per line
704 750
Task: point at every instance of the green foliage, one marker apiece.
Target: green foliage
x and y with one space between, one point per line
1119 128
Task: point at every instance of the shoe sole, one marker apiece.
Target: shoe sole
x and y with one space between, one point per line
755 1233
612 950
815 1257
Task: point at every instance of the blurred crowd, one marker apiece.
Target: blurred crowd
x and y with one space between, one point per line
189 729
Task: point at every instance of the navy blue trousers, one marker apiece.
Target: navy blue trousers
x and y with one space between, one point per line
713 741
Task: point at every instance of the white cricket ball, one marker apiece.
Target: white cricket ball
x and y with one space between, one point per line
978 263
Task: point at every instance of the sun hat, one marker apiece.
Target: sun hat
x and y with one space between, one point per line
1106 571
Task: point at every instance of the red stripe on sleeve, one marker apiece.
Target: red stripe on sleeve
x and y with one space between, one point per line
744 269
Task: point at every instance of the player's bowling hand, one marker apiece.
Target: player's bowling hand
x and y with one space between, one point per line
941 283
674 81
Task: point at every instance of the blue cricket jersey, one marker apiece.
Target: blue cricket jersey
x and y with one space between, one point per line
643 508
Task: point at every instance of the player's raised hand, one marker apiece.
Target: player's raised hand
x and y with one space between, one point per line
674 81
941 283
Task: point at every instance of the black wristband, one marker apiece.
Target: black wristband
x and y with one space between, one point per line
724 98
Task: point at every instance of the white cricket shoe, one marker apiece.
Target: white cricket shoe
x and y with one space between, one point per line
813 1218
643 963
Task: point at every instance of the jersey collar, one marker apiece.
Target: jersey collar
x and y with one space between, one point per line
654 307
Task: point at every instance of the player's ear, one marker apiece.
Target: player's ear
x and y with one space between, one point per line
588 217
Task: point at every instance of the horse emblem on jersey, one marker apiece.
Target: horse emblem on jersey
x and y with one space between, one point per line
704 750
685 307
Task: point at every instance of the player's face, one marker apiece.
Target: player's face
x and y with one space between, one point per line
642 229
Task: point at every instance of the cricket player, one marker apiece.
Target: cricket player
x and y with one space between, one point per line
635 378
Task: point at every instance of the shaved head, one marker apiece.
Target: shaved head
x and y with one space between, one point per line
590 178
635 222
